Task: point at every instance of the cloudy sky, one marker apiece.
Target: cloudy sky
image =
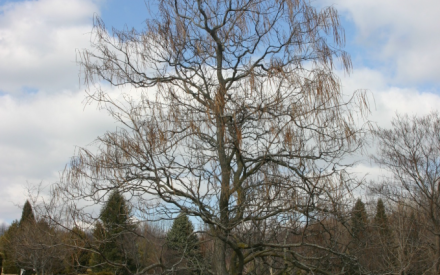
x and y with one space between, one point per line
394 44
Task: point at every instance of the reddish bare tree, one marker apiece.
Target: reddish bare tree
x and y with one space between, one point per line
238 120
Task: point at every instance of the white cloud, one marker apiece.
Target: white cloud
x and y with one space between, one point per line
38 137
401 36
399 40
386 100
38 40
39 130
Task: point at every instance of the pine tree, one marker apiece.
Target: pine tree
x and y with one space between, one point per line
111 232
181 236
182 239
381 220
27 224
359 224
99 237
7 248
1 263
27 215
115 214
382 240
359 220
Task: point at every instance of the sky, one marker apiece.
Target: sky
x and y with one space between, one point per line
394 46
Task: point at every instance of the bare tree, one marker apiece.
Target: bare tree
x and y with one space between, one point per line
36 246
238 121
411 152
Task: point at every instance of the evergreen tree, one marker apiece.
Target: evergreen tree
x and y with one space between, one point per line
182 239
382 241
1 263
359 223
115 214
27 224
99 238
7 248
359 220
111 234
381 220
181 235
32 245
27 215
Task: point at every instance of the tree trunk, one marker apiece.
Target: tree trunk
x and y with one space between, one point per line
437 262
219 260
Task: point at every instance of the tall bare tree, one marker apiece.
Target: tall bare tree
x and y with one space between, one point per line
238 120
411 152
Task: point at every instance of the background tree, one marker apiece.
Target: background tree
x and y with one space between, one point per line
238 121
410 151
3 229
412 251
78 244
1 262
7 247
115 215
359 221
182 238
359 237
382 242
381 220
27 215
33 245
112 236
27 224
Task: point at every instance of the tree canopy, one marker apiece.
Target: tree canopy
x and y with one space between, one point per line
237 118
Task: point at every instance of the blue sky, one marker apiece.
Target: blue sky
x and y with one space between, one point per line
394 46
120 14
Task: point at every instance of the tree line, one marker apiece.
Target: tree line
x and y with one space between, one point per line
392 239
230 114
116 245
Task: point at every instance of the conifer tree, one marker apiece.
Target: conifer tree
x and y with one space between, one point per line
359 223
182 239
382 241
1 263
359 219
115 214
27 215
27 224
32 245
7 248
381 220
181 235
110 235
